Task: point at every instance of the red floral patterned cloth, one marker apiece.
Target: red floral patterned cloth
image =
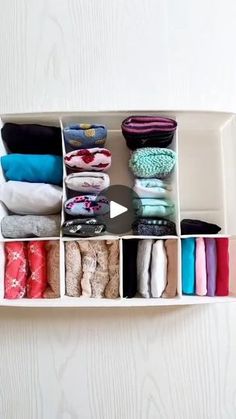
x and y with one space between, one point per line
15 270
37 259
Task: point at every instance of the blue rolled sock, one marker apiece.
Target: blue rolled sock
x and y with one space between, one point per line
188 265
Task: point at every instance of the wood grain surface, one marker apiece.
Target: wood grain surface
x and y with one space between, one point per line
130 363
167 363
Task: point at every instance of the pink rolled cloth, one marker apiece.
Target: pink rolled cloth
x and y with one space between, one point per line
200 267
93 159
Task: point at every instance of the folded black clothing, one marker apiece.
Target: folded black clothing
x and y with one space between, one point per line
83 227
189 226
32 139
130 247
154 227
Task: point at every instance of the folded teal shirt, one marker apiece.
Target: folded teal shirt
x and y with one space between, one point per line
43 168
153 207
188 265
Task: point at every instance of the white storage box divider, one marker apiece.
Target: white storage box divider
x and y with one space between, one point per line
204 182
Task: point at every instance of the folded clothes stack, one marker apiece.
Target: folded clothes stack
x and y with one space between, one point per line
92 268
152 164
150 268
32 192
205 266
32 269
86 161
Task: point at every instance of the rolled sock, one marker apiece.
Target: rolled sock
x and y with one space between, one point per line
152 162
143 267
85 135
89 262
152 188
32 139
189 226
28 168
31 198
53 270
172 269
94 159
130 267
152 207
148 131
87 205
112 288
158 269
211 265
22 226
154 227
222 276
15 270
101 277
188 265
37 280
200 267
83 227
73 269
87 182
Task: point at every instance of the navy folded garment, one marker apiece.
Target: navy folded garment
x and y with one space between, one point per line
130 248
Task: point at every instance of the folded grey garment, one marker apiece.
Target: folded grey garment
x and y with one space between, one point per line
20 226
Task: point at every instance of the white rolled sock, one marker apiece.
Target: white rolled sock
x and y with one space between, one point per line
143 267
158 269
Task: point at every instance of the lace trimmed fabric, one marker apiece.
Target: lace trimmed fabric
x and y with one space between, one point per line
92 268
73 269
112 288
53 270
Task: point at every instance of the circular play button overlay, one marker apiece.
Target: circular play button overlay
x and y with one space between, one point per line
121 214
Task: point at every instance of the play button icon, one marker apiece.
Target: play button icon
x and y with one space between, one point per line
121 214
116 209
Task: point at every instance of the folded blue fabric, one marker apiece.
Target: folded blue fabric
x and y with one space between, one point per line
85 135
188 265
37 168
153 207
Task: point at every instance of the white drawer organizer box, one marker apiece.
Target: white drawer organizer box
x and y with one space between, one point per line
204 188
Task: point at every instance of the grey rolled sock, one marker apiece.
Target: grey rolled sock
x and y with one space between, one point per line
21 226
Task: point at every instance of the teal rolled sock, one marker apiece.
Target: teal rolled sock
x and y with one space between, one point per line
152 162
188 265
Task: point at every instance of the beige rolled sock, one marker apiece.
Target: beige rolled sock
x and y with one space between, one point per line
101 277
73 269
89 262
112 288
53 269
172 269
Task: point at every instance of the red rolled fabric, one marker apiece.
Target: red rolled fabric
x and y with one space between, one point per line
222 276
37 280
15 270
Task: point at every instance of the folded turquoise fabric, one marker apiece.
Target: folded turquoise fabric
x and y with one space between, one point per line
152 162
37 168
152 207
188 265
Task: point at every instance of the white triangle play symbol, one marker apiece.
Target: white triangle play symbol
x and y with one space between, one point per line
116 209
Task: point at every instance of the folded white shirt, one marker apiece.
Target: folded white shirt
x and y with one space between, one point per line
158 269
31 198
